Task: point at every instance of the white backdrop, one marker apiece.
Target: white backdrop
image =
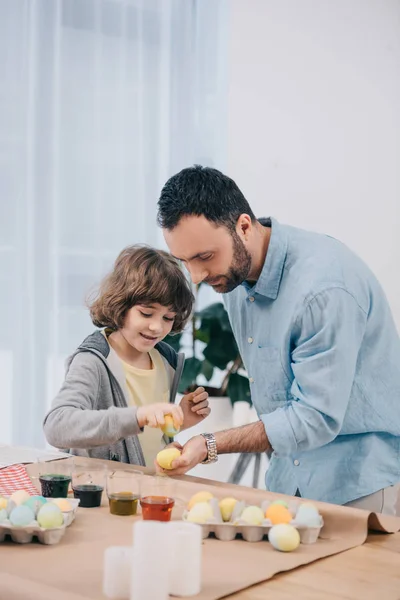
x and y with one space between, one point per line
314 120
100 102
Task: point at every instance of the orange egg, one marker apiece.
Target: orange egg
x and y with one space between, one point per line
278 514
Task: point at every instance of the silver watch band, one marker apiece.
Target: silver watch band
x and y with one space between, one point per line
212 455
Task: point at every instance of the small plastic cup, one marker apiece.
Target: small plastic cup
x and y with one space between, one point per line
123 491
55 477
88 484
158 498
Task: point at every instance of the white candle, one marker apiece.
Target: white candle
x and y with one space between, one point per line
185 561
150 561
117 572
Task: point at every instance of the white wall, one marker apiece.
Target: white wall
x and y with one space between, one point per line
314 120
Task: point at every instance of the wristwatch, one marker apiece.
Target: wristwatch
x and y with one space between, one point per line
211 443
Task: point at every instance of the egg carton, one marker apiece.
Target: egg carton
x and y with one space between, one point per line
25 535
228 531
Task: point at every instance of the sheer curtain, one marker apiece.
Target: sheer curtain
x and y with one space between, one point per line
100 101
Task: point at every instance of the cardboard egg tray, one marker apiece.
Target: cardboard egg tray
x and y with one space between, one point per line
228 531
25 535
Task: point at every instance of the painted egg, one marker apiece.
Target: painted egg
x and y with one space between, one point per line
226 507
35 503
200 513
308 515
166 457
3 502
19 497
168 428
50 516
252 515
284 537
3 515
278 514
63 504
281 502
22 516
199 497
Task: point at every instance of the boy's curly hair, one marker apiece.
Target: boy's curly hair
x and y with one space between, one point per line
142 275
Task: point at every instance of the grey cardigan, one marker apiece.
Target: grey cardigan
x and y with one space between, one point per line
90 415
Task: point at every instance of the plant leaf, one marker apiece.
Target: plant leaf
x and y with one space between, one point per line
191 370
174 341
239 389
207 369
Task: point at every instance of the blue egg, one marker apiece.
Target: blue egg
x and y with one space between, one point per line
22 516
35 503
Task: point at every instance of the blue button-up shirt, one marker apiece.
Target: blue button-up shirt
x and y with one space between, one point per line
323 356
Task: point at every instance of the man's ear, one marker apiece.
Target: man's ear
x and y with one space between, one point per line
244 226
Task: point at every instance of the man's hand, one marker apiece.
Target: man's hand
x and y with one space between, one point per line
193 453
195 407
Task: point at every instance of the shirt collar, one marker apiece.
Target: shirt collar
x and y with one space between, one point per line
270 277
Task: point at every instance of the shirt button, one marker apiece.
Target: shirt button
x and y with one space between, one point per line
251 298
296 462
251 380
250 340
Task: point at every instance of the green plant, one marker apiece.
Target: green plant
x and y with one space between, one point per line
211 326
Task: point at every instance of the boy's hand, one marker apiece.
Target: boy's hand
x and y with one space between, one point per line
195 407
153 415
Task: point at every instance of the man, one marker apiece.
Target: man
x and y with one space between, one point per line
317 337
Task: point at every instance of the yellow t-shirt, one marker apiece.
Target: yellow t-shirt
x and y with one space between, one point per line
148 387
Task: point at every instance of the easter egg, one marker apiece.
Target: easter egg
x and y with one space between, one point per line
3 515
284 537
168 428
199 497
3 502
19 497
22 516
308 515
63 504
278 514
35 503
226 506
252 515
166 457
50 516
200 513
281 502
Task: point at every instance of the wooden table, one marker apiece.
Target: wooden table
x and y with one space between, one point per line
367 572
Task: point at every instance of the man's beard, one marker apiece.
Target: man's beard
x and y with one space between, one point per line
239 269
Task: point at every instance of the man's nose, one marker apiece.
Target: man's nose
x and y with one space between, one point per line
197 275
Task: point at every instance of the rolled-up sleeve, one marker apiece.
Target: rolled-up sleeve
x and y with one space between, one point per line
327 339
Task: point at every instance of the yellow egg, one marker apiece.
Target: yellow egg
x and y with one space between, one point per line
200 513
168 428
226 506
278 514
166 457
199 497
3 502
284 537
252 515
19 497
63 504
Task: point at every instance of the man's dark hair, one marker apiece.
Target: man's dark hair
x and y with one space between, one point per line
200 191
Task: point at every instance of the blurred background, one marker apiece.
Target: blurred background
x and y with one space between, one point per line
102 100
